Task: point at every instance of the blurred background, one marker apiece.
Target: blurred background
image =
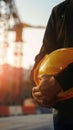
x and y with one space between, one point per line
22 27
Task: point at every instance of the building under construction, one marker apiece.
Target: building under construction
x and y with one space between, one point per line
11 54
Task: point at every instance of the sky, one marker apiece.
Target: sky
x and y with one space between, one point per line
34 12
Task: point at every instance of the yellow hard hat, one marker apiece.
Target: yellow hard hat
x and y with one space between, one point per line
52 64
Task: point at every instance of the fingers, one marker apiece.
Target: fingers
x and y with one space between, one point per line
42 102
40 98
35 89
36 93
45 93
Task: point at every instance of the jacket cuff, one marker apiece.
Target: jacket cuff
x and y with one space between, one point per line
65 77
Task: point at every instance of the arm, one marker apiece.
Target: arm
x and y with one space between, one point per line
49 41
49 45
65 77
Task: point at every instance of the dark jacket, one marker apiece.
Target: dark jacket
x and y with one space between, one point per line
59 34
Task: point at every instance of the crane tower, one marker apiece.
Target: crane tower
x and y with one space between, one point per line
10 24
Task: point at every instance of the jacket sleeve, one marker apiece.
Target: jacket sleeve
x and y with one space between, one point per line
49 41
65 77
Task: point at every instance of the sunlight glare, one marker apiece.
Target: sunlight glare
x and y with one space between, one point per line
33 41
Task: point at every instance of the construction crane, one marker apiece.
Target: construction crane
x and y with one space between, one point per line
10 21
